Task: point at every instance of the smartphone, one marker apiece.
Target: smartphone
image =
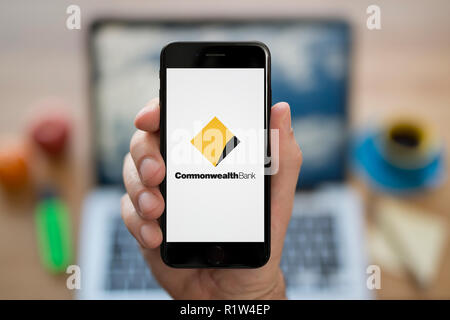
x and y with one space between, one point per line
215 100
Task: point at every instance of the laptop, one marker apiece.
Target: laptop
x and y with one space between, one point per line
323 256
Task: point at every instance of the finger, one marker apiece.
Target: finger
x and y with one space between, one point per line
284 182
148 202
148 118
147 233
144 149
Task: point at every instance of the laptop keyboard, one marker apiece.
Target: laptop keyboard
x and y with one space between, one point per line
310 256
127 269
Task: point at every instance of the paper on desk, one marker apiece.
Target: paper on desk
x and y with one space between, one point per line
381 252
405 236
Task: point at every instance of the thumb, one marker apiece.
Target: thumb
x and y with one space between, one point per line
284 181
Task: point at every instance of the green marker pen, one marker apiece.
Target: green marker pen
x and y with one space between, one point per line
53 232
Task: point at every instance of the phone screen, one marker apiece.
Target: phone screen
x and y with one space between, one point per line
215 154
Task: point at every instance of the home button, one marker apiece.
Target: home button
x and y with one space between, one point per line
215 255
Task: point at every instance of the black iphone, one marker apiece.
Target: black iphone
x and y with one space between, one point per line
215 102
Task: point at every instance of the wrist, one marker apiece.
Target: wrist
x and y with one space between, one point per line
278 291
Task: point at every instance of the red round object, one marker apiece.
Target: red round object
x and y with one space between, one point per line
51 133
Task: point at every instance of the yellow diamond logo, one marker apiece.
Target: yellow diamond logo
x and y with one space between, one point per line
215 141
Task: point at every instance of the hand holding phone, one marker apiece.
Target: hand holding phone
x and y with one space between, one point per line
143 205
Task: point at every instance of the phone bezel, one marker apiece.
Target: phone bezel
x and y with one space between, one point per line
216 55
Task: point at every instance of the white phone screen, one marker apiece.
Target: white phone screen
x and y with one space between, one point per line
215 154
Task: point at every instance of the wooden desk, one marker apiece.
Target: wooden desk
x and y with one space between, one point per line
403 68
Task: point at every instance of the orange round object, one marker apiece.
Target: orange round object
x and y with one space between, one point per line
14 172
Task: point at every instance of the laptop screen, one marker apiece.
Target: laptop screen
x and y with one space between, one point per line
310 71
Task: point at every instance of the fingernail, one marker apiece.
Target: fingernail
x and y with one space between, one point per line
287 116
144 110
146 202
148 168
147 235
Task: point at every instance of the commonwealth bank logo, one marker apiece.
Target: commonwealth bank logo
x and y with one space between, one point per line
215 141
